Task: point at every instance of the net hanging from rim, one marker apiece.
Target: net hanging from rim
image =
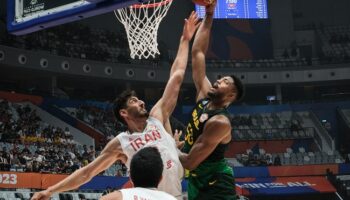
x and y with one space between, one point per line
141 22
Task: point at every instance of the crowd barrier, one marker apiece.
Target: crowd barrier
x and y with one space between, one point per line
243 175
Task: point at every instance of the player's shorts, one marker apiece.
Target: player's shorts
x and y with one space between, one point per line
219 186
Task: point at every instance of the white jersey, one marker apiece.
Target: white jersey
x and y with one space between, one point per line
155 135
145 194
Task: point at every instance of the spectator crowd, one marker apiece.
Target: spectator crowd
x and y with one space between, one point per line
29 144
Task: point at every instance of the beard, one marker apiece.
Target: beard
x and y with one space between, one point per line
136 113
144 114
214 95
211 95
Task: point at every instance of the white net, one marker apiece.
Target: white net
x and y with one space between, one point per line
141 24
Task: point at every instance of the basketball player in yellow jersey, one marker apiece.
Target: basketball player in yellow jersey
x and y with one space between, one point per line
209 130
144 129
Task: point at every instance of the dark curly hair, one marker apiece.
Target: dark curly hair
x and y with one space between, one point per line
121 103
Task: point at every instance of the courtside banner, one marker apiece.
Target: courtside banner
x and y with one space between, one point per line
280 171
103 182
96 183
20 180
17 97
43 181
48 180
283 186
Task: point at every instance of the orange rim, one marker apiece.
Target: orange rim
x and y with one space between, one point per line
151 5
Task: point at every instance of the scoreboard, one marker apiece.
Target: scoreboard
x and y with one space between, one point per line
26 16
27 10
237 9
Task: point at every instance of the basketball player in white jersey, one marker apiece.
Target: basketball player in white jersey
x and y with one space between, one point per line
144 129
146 169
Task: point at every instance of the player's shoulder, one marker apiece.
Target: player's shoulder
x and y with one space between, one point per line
121 136
220 120
115 143
155 121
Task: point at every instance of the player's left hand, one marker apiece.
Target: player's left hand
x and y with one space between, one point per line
191 25
177 135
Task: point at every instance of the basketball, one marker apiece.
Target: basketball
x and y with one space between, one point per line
203 2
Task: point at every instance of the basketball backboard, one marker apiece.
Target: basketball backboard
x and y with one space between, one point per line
26 16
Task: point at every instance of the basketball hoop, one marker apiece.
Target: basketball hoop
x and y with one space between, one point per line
141 22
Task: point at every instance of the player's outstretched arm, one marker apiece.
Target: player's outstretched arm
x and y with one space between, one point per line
108 156
199 49
165 106
207 141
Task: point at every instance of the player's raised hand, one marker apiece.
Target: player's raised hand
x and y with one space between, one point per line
177 135
191 25
209 9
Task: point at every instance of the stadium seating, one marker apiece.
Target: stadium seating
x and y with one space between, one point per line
335 42
266 134
269 126
263 63
98 44
23 194
289 157
100 119
26 139
346 113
